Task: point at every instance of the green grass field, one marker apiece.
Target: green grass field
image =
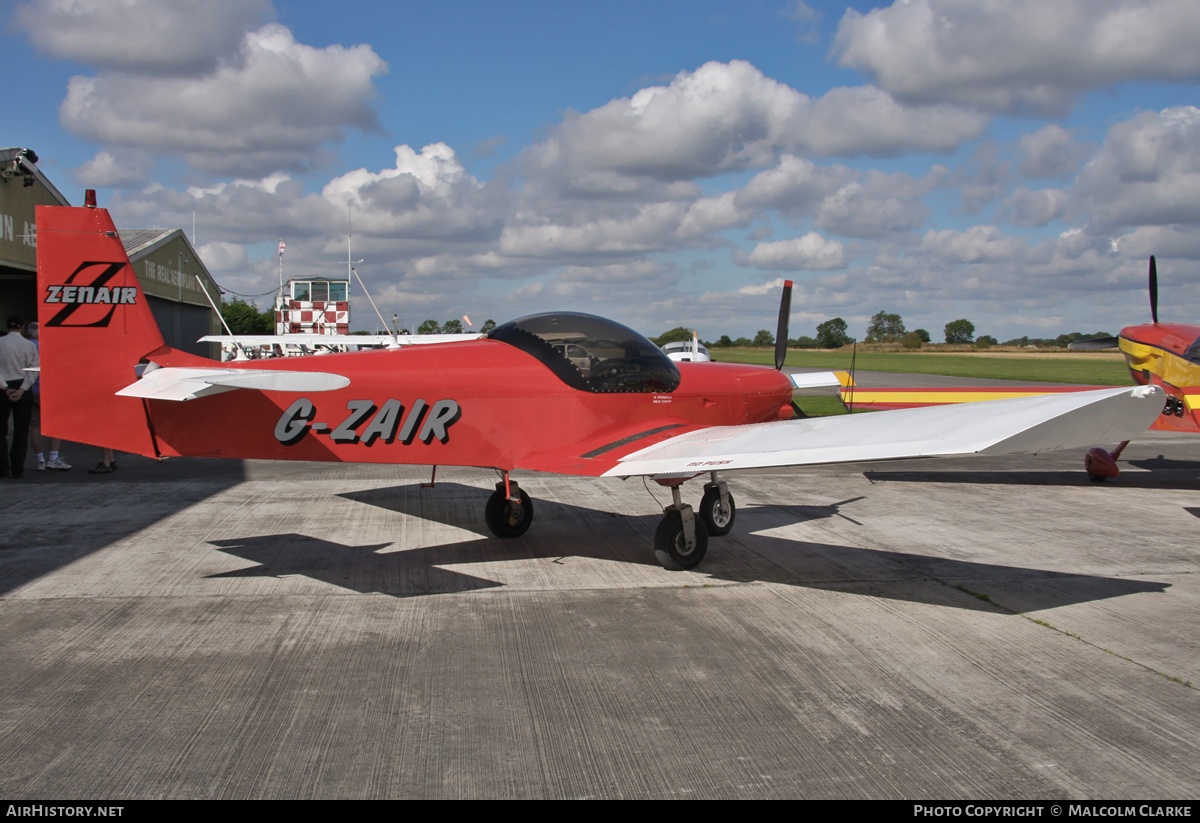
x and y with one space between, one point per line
1074 367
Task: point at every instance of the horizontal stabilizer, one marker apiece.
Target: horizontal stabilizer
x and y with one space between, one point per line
1095 344
1025 425
189 384
335 340
820 382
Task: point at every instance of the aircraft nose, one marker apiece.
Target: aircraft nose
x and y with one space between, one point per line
765 381
767 395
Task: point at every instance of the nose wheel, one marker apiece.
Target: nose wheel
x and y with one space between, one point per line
717 509
508 514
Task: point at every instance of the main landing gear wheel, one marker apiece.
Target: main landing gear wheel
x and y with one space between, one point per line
670 545
505 518
718 519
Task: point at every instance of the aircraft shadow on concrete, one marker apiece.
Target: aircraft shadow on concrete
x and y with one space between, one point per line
39 543
744 556
1163 463
1158 474
366 569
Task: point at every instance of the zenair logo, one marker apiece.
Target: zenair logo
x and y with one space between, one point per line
74 296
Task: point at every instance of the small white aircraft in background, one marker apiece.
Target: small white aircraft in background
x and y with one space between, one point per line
687 351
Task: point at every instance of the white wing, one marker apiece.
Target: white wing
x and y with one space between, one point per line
188 384
1017 426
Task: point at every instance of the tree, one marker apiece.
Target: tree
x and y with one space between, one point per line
454 326
832 334
924 335
487 326
885 328
764 338
985 341
742 342
725 342
245 318
960 331
429 327
912 340
673 336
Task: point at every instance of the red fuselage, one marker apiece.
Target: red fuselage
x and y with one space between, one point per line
560 392
499 408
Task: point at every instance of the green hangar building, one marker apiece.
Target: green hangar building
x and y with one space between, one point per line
166 264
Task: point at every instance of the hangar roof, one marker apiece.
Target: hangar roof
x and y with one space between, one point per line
141 241
26 160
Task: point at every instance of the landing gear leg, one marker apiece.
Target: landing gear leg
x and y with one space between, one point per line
509 510
679 542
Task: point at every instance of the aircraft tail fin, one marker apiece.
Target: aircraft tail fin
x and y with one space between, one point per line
95 327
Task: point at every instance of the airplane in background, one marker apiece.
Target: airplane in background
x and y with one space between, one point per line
1166 355
1161 354
511 401
687 351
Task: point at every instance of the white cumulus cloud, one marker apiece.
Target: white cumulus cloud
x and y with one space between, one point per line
1147 172
1034 208
113 169
810 252
271 106
728 116
1006 55
978 244
141 36
1050 152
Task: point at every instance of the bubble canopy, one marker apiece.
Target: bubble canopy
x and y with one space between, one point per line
591 353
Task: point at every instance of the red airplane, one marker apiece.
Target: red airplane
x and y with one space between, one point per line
1166 355
567 393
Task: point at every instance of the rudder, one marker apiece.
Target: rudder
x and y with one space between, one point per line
94 328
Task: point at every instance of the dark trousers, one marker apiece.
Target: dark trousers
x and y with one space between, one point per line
21 412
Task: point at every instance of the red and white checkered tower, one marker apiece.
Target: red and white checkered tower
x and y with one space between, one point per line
314 305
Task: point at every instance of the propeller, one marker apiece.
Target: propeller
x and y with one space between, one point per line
781 332
1098 343
1153 290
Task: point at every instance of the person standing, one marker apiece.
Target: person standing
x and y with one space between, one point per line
16 355
35 424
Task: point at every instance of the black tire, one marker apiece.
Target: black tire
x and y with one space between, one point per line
669 546
498 514
716 520
1096 478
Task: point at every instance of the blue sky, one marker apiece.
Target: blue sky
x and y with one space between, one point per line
1008 161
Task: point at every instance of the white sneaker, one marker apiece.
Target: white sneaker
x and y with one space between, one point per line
41 465
58 465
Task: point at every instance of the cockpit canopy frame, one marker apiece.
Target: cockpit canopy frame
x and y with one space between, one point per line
592 354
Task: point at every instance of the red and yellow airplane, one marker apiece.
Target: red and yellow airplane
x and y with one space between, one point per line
1166 355
567 393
